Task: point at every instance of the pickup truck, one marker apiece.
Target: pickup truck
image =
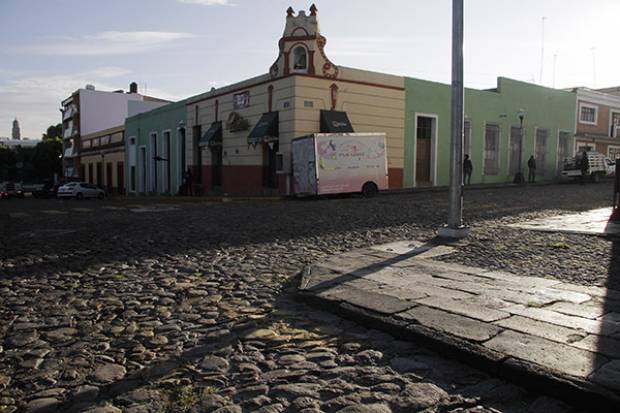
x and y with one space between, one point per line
597 166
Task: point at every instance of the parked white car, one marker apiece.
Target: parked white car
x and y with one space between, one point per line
79 190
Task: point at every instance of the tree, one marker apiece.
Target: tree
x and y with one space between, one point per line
53 132
47 158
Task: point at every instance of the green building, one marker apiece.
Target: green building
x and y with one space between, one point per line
493 137
155 150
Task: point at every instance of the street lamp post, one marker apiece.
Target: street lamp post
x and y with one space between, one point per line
455 227
519 175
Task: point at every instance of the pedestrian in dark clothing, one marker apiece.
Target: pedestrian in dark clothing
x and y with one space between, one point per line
585 166
531 164
188 182
468 167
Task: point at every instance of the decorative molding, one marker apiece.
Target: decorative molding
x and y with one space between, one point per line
313 10
236 122
330 70
334 95
264 82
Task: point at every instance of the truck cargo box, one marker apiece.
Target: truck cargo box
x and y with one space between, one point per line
328 163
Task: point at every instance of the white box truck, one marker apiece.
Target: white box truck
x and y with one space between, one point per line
336 163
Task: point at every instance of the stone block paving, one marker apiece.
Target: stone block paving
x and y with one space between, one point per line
562 335
594 222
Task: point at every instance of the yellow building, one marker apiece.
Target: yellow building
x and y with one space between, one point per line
239 137
102 156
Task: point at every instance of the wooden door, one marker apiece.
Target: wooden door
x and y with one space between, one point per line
424 133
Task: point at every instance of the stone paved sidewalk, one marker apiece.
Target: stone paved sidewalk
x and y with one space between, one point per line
555 336
593 222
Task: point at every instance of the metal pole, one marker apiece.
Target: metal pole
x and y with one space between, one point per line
455 228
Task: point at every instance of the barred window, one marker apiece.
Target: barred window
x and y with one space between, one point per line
491 150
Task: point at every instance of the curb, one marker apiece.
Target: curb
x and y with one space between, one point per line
532 376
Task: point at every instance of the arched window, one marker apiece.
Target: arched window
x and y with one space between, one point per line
300 59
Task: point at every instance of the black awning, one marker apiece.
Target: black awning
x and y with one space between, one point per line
266 129
333 121
213 135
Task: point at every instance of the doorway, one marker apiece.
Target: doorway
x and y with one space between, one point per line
108 177
142 170
270 177
425 131
216 166
120 177
515 155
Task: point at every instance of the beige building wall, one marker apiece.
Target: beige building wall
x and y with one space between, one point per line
374 102
104 148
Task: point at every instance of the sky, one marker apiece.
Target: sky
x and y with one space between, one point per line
179 48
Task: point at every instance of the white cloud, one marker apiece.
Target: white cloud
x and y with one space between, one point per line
107 43
207 2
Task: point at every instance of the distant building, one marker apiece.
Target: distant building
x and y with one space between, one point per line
88 111
598 121
18 143
15 133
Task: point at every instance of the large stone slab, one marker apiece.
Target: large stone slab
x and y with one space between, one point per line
606 346
608 375
552 355
541 329
452 324
603 327
462 307
370 300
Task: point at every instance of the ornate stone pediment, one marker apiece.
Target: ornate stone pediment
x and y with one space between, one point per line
302 48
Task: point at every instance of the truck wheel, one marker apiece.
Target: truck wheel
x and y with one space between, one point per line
595 177
369 190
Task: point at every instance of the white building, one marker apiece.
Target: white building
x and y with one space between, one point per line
88 111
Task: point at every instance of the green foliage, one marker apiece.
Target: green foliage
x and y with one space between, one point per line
46 159
53 132
186 399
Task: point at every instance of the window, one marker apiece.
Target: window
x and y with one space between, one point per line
564 149
491 149
541 150
300 61
615 123
587 114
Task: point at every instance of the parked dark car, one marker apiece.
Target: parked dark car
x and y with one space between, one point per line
11 190
49 190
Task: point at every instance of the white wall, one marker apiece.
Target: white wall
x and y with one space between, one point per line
103 110
136 107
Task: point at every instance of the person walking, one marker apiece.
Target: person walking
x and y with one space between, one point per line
531 164
468 167
585 166
189 190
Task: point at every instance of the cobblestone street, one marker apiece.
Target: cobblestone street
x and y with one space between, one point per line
138 306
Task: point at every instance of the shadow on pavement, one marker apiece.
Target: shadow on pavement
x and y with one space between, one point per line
607 347
84 240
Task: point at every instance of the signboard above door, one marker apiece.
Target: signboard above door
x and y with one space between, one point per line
241 100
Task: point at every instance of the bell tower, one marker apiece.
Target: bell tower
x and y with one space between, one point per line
302 48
